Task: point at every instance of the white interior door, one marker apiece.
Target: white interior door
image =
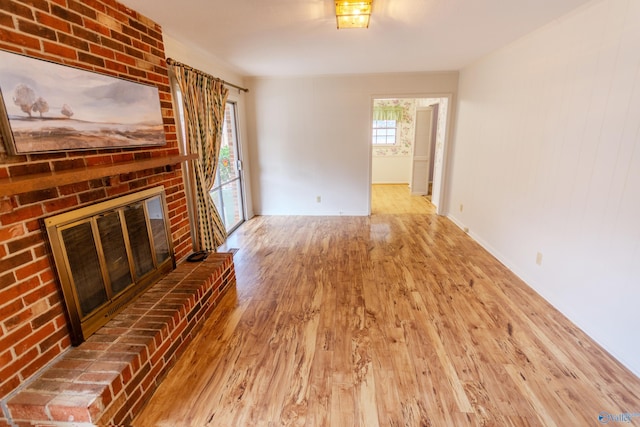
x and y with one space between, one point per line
421 161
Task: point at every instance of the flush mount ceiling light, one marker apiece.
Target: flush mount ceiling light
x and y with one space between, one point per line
353 13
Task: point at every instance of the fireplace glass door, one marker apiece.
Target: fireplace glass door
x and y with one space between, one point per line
115 251
107 254
84 263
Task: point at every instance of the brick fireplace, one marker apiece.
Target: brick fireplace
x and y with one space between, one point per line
106 37
108 253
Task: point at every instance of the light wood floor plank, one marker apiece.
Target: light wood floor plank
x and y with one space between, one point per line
398 319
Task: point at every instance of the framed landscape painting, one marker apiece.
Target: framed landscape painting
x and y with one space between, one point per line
48 107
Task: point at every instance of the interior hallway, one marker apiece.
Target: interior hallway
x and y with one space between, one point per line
394 319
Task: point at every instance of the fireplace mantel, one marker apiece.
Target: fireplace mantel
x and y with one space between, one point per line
42 181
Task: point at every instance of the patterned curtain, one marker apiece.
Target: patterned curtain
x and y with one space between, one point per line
204 98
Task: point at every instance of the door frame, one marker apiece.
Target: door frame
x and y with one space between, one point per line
443 151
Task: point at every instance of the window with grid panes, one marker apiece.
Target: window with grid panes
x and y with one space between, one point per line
384 132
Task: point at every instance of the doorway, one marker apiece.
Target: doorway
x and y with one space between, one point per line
227 188
398 162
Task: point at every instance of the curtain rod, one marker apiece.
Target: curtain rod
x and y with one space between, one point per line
171 61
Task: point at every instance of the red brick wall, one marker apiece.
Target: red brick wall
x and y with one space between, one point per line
106 37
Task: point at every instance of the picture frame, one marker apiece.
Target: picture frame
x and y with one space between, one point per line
49 107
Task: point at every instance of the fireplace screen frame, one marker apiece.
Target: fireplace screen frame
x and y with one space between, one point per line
113 301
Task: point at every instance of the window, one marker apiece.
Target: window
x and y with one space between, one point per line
384 132
227 188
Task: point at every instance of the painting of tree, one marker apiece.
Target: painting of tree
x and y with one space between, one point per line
48 107
24 97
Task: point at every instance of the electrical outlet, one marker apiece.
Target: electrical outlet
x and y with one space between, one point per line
539 258
461 207
318 199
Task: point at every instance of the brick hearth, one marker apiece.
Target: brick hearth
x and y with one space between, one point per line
107 379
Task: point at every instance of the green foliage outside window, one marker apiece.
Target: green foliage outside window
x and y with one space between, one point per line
225 165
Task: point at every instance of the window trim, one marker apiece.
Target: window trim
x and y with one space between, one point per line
375 129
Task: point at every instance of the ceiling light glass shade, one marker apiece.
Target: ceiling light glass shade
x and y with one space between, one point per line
353 13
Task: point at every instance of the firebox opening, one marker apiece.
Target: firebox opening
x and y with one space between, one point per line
108 253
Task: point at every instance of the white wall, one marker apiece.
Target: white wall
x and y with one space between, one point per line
310 137
547 159
198 58
393 169
202 61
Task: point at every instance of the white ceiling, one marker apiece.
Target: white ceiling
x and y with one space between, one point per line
299 37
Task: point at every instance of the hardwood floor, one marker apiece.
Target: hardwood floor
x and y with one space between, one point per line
399 319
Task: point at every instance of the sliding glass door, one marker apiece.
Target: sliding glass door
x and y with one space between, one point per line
227 188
